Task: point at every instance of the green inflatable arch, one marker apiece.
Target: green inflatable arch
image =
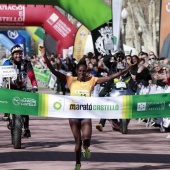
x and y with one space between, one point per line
91 13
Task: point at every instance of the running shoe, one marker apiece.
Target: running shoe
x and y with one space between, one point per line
5 117
168 136
27 133
116 126
86 153
77 167
60 92
99 127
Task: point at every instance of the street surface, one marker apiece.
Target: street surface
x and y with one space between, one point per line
51 147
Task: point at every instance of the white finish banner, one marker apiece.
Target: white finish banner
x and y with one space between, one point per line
84 107
137 106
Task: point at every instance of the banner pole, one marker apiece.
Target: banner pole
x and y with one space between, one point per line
9 84
9 87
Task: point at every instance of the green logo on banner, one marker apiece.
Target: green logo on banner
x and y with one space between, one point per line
16 101
57 105
151 106
25 101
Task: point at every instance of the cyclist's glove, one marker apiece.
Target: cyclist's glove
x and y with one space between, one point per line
34 89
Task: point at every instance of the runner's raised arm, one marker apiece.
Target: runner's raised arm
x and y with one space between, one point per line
61 76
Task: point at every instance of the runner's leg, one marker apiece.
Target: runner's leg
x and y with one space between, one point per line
75 125
86 127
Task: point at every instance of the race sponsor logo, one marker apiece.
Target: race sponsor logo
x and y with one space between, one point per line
100 107
12 14
62 28
83 33
12 34
52 19
57 105
11 7
151 106
17 101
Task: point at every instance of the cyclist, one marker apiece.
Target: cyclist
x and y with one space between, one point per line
24 70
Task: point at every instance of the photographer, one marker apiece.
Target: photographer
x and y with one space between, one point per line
115 63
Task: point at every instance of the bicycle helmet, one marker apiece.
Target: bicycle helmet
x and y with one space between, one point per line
16 48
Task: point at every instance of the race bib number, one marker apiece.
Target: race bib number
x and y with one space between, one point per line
120 85
83 93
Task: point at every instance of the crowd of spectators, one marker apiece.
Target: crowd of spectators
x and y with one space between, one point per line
150 68
150 75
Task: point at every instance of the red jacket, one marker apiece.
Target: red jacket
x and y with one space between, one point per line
169 81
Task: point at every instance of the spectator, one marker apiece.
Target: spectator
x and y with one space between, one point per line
60 89
133 72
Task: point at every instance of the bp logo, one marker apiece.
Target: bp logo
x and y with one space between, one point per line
16 101
57 105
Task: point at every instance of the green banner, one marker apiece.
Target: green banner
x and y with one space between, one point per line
42 74
91 13
12 101
153 105
47 105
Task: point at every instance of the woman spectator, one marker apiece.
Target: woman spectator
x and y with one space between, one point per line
133 72
60 89
128 60
143 77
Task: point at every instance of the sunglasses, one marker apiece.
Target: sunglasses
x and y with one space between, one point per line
151 58
155 67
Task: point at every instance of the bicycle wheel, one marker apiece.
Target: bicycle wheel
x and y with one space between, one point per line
12 139
124 126
17 131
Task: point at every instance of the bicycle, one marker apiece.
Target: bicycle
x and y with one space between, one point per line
15 125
